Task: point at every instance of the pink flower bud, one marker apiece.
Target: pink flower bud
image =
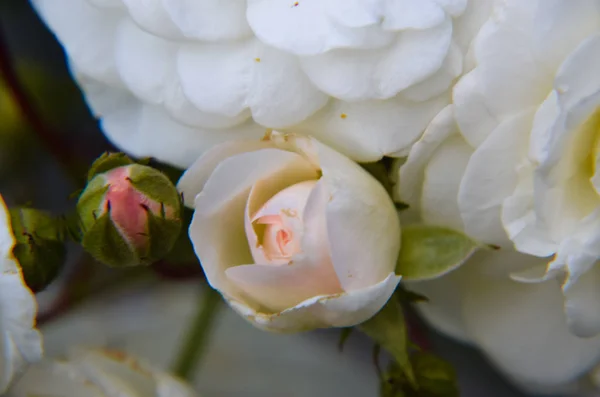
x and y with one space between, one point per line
130 215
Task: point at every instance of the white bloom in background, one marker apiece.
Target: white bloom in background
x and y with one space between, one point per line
514 163
171 78
20 342
98 373
293 234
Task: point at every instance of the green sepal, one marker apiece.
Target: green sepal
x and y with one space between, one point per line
163 234
428 252
435 377
388 329
157 186
106 244
39 247
106 162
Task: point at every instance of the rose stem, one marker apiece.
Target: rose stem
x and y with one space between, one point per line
193 347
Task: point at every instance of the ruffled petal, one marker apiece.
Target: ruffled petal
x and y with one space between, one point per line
146 130
490 177
381 73
368 130
305 28
212 20
228 78
152 16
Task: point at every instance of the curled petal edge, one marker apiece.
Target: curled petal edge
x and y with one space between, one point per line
345 309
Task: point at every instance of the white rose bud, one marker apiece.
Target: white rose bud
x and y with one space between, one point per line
293 234
20 342
98 373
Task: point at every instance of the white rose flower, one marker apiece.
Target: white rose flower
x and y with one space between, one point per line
20 342
293 234
171 78
98 373
513 163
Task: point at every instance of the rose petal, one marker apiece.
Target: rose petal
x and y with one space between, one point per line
581 304
412 172
266 198
365 131
441 181
213 20
412 14
193 179
145 62
228 78
521 328
359 210
381 73
276 288
443 310
305 28
152 16
89 38
490 177
339 310
139 129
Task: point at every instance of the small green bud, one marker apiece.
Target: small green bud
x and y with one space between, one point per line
129 215
39 247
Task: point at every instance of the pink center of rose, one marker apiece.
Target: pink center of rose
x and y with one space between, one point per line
276 229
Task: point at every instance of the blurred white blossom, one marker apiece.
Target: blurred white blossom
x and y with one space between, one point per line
98 373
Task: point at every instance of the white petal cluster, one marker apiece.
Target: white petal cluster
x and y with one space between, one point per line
20 341
513 162
98 373
171 78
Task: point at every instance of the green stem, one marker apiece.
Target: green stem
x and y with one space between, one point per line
195 342
388 329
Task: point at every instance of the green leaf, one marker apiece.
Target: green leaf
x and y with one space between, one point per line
388 329
428 252
344 335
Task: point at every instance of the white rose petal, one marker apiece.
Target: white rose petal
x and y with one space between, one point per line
21 343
